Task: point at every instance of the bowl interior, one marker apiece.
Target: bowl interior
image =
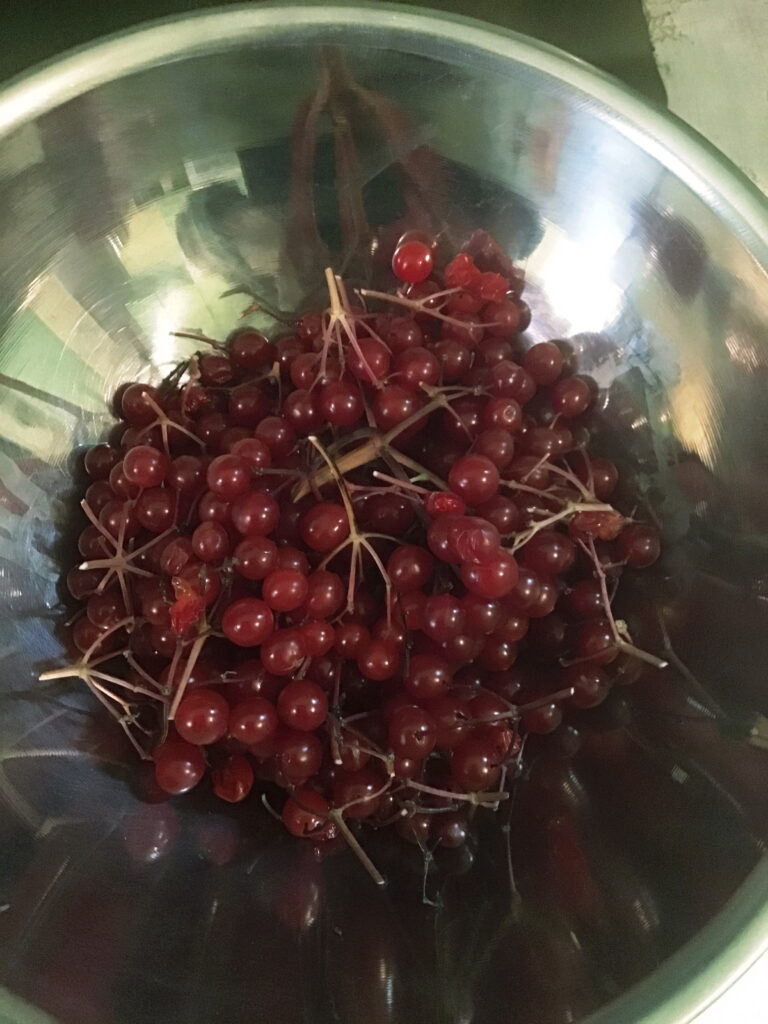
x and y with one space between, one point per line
150 177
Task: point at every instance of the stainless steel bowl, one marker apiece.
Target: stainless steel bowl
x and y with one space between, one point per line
145 176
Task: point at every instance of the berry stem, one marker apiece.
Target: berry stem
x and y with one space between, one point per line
419 470
163 421
369 451
194 654
339 318
356 539
675 660
259 305
572 508
139 670
198 336
419 305
362 856
411 488
476 799
364 799
103 676
572 479
124 720
623 645
551 698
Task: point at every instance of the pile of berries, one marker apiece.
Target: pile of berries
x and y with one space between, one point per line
359 561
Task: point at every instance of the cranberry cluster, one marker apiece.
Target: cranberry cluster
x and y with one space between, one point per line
360 561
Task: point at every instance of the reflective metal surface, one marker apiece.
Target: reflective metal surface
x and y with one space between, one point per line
138 182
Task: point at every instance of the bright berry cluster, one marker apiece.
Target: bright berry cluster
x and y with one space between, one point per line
359 561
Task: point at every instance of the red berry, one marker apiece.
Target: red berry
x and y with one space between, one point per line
255 557
369 362
427 677
496 445
145 466
452 830
100 461
443 503
455 358
492 288
283 652
450 714
247 622
305 813
351 639
412 262
341 404
474 478
492 580
98 495
403 333
461 272
502 317
228 476
571 397
595 641
255 514
298 755
544 362
139 404
215 370
600 525
417 366
324 526
549 553
393 405
416 829
210 542
543 719
253 451
186 475
250 351
357 794
179 766
285 590
508 380
325 594
638 545
410 567
202 716
599 474
233 780
379 659
318 638
253 720
442 617
278 435
412 732
248 405
302 705
590 685
474 764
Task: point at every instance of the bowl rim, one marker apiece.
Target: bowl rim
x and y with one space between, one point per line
735 938
675 144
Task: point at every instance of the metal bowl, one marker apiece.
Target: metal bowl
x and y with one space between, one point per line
145 176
